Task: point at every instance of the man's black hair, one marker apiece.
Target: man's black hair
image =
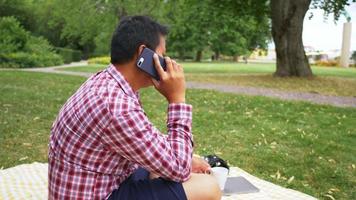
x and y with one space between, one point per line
132 32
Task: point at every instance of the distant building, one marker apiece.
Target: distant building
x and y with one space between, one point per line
312 54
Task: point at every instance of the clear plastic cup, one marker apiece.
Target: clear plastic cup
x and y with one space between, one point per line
220 173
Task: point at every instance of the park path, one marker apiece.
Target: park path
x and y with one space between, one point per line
338 101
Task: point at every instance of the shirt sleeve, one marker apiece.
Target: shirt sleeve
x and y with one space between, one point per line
134 137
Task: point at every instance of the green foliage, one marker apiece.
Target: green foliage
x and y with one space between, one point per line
215 27
63 24
105 60
20 49
25 60
335 7
226 27
353 56
12 36
22 10
69 55
37 45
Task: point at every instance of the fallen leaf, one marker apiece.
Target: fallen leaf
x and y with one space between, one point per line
290 179
334 190
332 161
278 175
27 144
328 195
23 158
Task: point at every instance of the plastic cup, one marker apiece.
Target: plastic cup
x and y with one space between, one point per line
220 173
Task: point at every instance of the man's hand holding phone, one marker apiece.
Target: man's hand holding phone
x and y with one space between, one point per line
172 81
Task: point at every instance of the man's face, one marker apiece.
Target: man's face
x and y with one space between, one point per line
161 48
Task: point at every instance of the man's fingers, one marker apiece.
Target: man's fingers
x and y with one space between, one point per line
155 82
169 64
208 171
175 65
158 66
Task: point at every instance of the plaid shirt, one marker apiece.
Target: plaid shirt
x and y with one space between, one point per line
102 135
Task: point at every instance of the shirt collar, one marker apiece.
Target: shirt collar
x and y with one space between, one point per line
122 81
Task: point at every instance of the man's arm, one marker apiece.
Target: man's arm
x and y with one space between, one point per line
170 156
134 137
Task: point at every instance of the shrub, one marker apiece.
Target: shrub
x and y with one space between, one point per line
12 36
105 60
353 56
37 45
327 63
69 55
20 49
24 60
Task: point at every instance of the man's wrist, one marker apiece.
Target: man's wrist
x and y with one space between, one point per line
176 100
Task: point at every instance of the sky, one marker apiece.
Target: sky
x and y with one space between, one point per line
325 34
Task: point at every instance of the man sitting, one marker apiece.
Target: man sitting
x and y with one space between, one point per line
103 146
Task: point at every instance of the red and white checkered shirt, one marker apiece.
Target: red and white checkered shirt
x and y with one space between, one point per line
102 135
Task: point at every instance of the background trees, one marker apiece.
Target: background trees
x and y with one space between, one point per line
199 29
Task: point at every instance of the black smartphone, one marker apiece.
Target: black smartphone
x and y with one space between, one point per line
146 63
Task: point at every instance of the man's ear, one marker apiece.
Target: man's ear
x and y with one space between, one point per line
140 49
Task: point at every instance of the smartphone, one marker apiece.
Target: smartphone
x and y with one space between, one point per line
146 63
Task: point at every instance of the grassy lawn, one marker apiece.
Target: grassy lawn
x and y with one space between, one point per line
272 139
329 81
234 68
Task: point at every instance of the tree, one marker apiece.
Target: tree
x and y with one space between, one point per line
353 56
237 33
189 24
287 28
200 25
20 9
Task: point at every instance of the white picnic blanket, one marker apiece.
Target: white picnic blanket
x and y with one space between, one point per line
29 181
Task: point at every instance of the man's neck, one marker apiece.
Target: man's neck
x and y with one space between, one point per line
131 75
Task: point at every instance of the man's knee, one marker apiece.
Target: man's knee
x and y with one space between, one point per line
202 187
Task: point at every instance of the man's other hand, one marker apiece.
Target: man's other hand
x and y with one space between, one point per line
199 165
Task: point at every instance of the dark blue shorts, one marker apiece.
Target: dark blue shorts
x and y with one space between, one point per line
138 186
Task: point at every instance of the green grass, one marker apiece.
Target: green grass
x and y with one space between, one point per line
29 103
329 81
314 144
238 68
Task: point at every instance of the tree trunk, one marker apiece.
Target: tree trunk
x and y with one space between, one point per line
181 55
217 55
287 29
235 58
198 56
